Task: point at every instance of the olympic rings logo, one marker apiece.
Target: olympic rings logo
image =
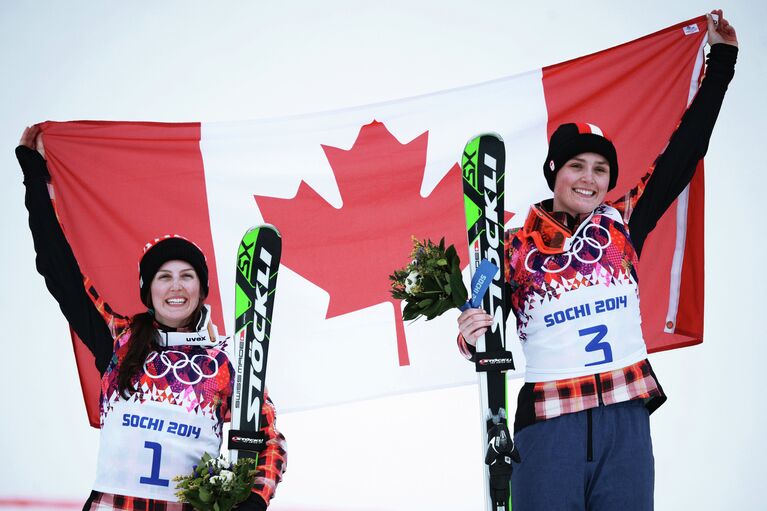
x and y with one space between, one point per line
182 361
583 240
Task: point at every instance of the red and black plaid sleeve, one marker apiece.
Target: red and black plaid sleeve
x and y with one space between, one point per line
273 460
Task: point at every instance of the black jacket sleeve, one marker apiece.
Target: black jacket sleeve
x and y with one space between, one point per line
56 261
253 503
675 166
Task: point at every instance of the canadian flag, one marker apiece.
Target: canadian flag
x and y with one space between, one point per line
347 189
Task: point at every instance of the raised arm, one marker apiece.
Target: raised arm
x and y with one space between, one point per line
675 166
55 260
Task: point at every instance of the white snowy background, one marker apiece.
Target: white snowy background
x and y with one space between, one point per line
224 61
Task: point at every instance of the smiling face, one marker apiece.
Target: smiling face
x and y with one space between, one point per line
175 292
581 184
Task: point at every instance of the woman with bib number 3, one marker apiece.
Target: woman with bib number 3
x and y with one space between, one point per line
582 419
167 379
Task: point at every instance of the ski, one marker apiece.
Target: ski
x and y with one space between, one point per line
258 260
483 163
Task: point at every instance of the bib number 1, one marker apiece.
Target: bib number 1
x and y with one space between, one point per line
154 478
597 343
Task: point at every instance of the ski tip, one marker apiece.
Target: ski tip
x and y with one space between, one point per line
264 226
485 134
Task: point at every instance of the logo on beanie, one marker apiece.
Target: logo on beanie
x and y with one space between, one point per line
165 237
551 165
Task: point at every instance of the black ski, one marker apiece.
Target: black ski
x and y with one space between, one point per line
483 162
258 259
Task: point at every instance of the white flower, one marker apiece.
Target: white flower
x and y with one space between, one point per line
412 281
215 480
228 479
219 463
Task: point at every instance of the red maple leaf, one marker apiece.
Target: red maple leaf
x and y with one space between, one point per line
350 251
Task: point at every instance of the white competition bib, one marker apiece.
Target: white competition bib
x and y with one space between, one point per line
145 445
588 330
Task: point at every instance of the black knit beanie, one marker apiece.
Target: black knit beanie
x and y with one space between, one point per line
572 139
167 249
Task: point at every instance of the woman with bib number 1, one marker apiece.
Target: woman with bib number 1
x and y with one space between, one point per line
167 378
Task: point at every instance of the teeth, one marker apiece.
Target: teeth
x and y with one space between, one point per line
176 301
581 191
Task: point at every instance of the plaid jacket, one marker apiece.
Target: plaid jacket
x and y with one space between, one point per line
109 502
545 400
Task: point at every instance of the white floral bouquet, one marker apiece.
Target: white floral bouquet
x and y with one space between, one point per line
217 484
432 283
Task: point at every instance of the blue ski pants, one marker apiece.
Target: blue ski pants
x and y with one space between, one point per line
596 460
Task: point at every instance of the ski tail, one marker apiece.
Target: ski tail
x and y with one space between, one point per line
483 164
258 261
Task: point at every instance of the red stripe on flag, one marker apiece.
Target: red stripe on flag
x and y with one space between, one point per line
689 318
155 186
20 502
637 92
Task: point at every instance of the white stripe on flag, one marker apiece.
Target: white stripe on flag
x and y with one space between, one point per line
272 157
675 281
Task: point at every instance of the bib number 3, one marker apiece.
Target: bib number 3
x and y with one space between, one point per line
597 343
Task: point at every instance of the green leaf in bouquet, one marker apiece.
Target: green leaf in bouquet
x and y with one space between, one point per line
410 316
443 307
451 254
430 285
196 503
422 304
455 265
242 493
460 294
442 262
205 494
399 275
410 311
399 295
430 312
428 281
216 507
